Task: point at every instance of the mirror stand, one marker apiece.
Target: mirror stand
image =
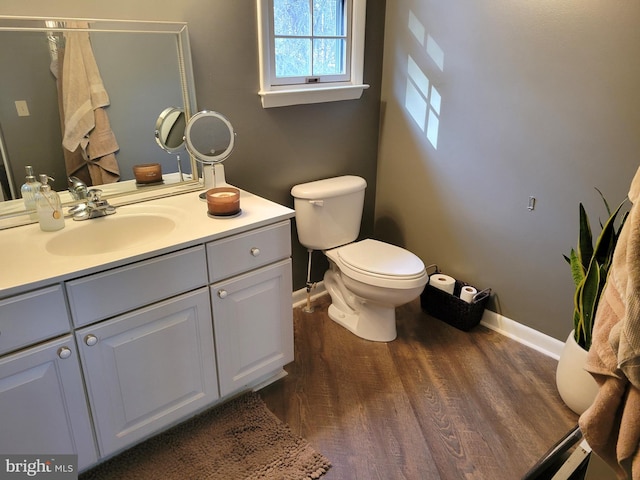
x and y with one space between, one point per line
181 175
213 174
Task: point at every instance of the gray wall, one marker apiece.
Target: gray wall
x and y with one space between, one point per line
276 148
539 98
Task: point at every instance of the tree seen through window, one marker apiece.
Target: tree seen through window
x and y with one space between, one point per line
310 37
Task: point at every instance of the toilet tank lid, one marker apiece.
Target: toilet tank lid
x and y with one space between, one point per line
329 187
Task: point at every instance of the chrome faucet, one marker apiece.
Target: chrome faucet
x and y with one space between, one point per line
94 208
77 188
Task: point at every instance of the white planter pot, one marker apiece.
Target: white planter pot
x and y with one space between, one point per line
576 386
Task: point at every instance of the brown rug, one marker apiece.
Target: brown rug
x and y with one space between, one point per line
241 439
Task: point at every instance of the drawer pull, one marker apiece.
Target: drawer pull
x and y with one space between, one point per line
91 340
222 293
64 352
255 251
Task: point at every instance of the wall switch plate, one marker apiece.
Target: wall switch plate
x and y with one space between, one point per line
22 108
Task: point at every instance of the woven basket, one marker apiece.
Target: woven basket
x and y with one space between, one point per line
450 308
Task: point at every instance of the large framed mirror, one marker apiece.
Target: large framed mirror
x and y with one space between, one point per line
144 69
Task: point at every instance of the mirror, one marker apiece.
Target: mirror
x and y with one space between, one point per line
169 133
145 68
170 129
210 139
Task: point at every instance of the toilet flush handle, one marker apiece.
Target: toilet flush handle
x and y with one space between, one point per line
317 203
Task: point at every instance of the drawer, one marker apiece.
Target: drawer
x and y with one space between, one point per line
122 289
32 317
246 251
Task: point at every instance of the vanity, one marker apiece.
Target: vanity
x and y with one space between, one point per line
116 328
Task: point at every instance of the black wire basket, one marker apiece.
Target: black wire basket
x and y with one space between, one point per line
450 308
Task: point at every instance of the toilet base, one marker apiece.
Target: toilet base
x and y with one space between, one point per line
371 322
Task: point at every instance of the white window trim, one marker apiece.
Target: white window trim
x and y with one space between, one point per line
281 96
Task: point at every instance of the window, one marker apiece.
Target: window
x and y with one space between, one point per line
310 50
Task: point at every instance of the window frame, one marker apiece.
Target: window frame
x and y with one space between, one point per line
273 95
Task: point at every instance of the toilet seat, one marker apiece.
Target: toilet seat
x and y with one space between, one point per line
380 264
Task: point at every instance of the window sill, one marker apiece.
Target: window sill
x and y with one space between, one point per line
300 96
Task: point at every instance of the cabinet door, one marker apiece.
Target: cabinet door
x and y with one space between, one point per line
43 408
253 320
149 368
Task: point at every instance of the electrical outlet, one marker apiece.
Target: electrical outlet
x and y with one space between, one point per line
532 204
22 108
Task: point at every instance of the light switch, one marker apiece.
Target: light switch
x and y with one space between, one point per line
22 108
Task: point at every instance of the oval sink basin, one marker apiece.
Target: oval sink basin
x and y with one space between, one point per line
109 234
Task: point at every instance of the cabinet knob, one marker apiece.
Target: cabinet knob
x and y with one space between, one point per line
222 293
90 340
255 251
64 352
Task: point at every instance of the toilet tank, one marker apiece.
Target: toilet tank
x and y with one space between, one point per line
329 211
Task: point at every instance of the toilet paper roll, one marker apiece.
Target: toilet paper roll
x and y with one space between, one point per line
467 293
443 282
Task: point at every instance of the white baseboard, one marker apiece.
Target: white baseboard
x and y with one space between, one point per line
539 341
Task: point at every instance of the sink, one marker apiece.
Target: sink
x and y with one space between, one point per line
109 234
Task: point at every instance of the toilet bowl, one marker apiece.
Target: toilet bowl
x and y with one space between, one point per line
367 280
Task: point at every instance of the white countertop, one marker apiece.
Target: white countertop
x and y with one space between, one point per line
26 263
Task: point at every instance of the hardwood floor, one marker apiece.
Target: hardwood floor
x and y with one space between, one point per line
436 403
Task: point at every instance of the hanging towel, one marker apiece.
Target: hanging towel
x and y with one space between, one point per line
611 425
75 164
85 121
82 88
102 163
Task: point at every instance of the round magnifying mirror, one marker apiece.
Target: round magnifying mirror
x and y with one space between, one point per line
170 128
209 137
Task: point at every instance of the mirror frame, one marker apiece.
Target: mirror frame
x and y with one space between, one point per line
13 212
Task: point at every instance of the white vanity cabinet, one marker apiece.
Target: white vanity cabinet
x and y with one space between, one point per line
149 367
251 299
99 352
43 407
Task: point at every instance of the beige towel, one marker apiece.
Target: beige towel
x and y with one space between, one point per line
82 89
88 141
102 163
75 164
612 424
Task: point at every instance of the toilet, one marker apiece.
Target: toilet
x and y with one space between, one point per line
366 279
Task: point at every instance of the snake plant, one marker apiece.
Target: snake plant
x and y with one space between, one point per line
589 267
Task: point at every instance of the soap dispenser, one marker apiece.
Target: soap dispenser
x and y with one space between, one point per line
49 207
29 189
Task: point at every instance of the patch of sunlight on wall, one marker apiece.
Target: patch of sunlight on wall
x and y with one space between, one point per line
422 100
419 78
416 105
435 52
416 27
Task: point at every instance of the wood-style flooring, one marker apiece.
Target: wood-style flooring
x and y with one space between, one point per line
436 403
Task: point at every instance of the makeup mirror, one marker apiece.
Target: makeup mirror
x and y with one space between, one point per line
169 133
170 128
210 139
